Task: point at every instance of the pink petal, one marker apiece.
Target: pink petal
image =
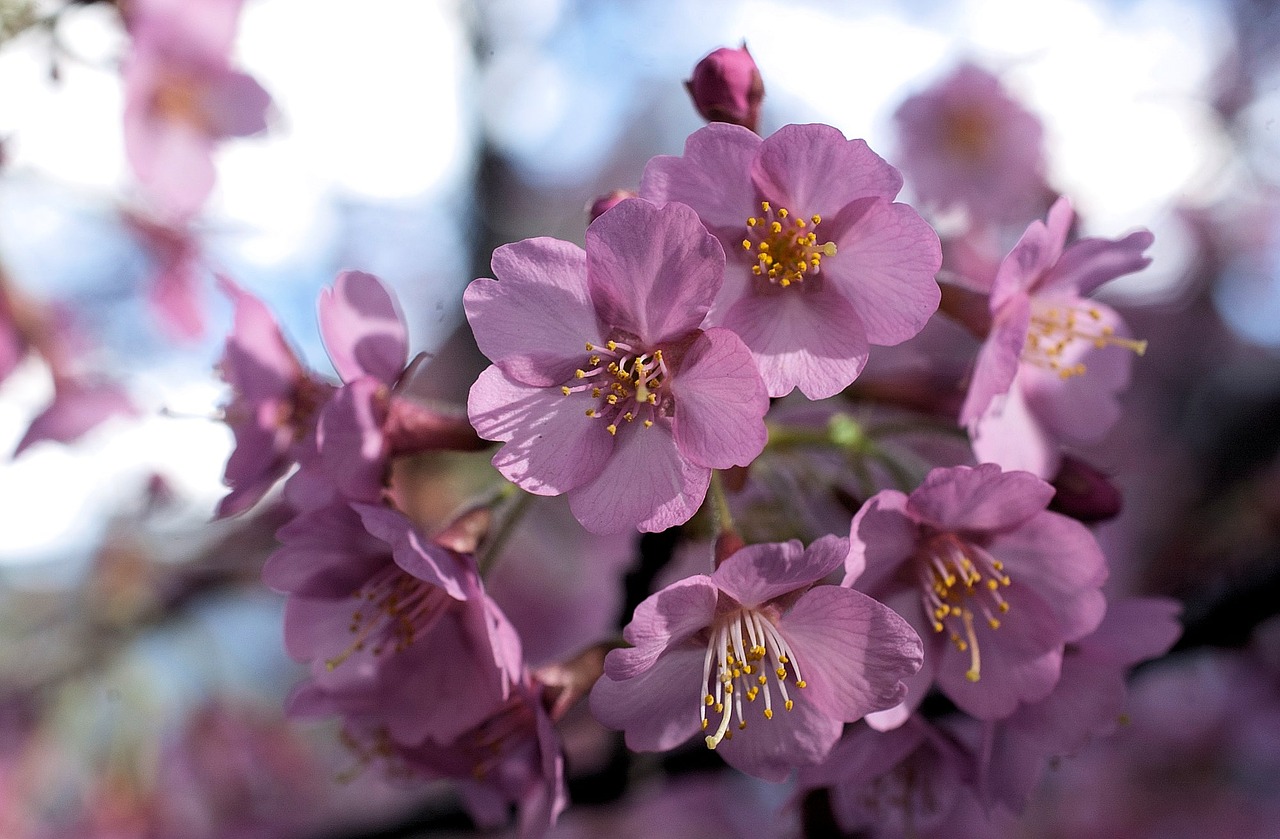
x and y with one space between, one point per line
176 297
325 553
658 709
1089 263
661 621
882 536
713 177
886 259
652 271
853 651
1020 661
1133 630
998 358
773 749
362 328
720 402
1060 559
814 169
646 484
552 446
257 362
423 559
1033 255
1010 435
173 161
982 498
811 338
757 574
235 104
535 320
350 440
77 408
906 603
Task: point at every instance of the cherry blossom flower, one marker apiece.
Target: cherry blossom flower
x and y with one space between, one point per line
604 385
182 98
273 406
79 405
822 263
966 142
1054 361
766 664
379 612
997 584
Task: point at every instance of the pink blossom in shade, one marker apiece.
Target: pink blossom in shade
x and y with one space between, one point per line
604 386
380 612
899 783
79 405
513 756
1053 363
996 585
606 202
822 263
764 663
181 98
274 403
965 142
1087 702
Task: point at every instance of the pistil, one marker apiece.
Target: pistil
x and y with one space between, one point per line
747 651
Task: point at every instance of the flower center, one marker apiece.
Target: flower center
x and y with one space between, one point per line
967 133
179 97
785 247
394 608
958 581
746 650
624 381
1056 327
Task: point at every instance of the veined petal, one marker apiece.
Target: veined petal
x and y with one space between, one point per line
772 749
713 176
662 620
982 498
534 320
759 573
854 651
812 339
886 260
552 446
653 270
1089 263
720 402
998 358
658 708
646 484
814 169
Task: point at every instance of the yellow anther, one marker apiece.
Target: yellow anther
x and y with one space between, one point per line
704 728
612 399
565 390
782 212
817 219
776 227
611 428
742 724
612 345
782 672
709 699
648 423
579 374
753 221
790 704
591 412
993 623
762 679
746 244
768 713
764 205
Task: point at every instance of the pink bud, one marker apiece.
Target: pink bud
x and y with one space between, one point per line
727 87
1085 493
607 202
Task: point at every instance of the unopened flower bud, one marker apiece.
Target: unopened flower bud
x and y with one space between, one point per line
1084 493
727 87
607 202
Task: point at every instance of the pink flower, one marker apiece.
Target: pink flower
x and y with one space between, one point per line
380 613
182 98
273 406
1053 362
966 142
764 662
996 584
727 87
604 385
176 293
1087 702
512 756
79 405
822 263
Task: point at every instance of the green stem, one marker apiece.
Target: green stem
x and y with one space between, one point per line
720 504
488 555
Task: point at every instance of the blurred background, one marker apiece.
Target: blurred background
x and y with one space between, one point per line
140 656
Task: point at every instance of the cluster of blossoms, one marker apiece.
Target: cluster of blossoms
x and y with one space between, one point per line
944 634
